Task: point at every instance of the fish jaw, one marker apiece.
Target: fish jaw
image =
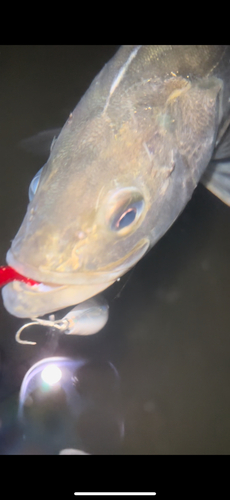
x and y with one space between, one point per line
24 301
103 275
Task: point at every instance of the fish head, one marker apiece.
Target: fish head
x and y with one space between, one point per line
90 218
114 183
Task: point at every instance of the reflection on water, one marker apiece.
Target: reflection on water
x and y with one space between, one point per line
72 404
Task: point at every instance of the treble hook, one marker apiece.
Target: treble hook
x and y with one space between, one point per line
61 325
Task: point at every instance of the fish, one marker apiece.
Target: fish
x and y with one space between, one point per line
153 123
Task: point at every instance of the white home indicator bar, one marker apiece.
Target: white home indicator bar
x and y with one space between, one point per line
114 494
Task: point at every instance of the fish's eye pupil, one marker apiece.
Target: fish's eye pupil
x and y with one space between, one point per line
126 218
126 208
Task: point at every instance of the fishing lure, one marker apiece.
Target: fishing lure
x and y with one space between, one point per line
8 274
86 318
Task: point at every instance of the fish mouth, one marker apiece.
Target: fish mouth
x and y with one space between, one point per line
26 301
51 278
55 291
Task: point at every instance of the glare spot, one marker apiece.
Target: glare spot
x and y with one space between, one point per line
51 374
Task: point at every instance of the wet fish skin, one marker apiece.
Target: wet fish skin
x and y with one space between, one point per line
141 136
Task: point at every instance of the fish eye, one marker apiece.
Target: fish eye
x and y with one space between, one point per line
126 218
126 207
34 184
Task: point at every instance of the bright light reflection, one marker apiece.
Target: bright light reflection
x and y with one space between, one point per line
51 374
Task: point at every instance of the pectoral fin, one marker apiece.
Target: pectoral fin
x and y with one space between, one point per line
222 151
217 180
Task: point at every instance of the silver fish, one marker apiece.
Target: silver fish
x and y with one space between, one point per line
120 172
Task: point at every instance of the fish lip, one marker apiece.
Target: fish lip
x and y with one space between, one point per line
56 279
25 301
51 279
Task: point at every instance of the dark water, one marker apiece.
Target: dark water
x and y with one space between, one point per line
156 379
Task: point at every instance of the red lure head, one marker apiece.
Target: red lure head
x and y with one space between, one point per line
8 274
